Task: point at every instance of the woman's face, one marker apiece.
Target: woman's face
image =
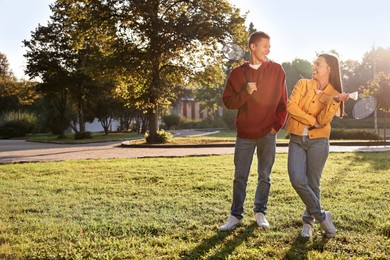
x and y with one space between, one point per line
321 69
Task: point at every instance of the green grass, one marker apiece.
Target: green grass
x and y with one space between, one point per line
170 208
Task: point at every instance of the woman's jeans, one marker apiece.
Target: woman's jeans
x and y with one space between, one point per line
243 155
306 161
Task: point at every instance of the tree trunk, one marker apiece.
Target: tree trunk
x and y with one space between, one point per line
152 125
81 115
384 127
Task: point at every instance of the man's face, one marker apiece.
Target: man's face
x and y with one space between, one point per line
260 50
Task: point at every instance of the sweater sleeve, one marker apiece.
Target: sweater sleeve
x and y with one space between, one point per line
293 107
281 110
234 94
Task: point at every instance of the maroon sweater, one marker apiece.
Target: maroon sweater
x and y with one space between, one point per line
265 108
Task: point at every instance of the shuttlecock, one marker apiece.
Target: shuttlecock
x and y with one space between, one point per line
354 95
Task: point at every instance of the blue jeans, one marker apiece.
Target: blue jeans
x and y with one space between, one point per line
306 161
243 156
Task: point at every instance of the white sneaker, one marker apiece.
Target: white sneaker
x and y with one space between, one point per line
261 220
306 230
327 225
231 224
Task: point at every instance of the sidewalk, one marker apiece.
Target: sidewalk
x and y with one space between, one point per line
20 151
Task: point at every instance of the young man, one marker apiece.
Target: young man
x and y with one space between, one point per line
261 105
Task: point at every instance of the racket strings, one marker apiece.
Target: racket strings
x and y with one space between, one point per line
364 107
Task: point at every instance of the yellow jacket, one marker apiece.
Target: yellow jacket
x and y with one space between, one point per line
305 107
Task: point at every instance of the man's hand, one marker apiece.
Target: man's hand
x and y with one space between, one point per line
251 87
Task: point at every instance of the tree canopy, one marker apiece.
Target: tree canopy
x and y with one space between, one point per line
146 48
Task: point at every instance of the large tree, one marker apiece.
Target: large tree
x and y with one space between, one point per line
14 93
63 60
173 41
146 47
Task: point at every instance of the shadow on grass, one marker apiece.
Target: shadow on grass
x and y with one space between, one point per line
378 161
301 246
222 244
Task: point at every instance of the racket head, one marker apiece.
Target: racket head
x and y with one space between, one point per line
233 52
364 107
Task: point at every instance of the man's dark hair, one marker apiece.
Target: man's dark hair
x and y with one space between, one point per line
256 37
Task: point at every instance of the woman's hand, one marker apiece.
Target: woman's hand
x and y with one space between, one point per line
342 97
317 125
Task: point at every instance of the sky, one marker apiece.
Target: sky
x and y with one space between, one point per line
298 28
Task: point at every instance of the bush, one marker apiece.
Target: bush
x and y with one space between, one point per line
188 124
17 124
341 134
202 124
171 121
15 129
82 135
229 116
161 137
353 135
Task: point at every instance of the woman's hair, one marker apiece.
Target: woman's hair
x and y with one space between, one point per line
256 37
335 76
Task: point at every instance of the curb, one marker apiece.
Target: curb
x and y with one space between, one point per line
126 144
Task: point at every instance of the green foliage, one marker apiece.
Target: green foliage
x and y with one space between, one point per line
349 134
380 89
161 137
229 117
344 134
201 124
151 208
124 44
210 84
171 121
82 135
16 124
15 129
295 71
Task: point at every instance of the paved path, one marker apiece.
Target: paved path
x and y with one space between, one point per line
18 151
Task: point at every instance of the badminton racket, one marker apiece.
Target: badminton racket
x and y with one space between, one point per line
364 107
234 52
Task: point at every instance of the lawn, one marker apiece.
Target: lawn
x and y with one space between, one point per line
170 208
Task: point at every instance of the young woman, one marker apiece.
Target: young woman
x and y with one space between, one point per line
311 107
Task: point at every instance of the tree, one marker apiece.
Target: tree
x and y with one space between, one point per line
174 39
14 93
380 89
149 46
210 86
63 62
5 71
295 71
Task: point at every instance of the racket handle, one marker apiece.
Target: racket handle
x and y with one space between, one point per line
354 95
